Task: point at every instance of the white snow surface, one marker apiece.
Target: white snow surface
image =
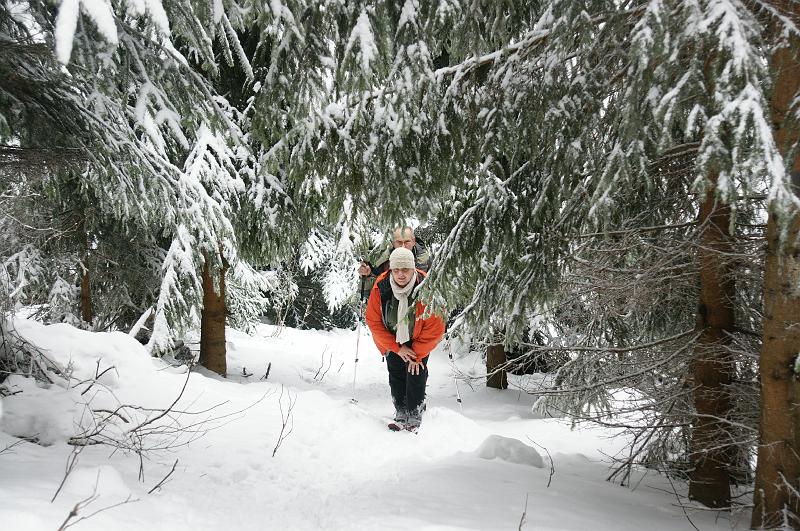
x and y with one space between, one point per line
474 466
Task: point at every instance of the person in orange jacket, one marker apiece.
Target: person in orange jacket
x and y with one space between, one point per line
402 335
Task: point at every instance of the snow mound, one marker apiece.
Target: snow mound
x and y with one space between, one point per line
88 354
37 413
102 481
510 450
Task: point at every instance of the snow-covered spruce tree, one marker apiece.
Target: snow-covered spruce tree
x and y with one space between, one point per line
689 72
337 136
625 311
149 125
68 260
29 220
685 75
60 251
310 249
721 100
119 106
697 74
309 59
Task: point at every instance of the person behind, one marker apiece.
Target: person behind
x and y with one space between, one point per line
402 335
401 237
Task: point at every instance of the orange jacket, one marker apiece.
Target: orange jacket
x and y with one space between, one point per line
427 332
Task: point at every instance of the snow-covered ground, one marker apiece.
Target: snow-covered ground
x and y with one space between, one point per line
475 466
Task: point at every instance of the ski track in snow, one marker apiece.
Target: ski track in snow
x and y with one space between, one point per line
338 468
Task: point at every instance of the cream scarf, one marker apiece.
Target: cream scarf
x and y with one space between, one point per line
401 294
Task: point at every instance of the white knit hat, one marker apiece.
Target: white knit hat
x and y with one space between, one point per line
401 258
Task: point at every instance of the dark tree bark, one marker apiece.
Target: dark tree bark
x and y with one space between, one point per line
86 286
212 322
778 466
712 366
778 469
86 297
496 358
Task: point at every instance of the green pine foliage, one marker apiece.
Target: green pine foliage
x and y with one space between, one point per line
534 122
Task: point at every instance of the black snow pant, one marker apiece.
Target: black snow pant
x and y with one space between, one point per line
408 390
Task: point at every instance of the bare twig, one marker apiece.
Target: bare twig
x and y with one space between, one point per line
115 413
266 374
12 445
322 365
287 418
524 513
158 485
166 411
677 497
552 465
85 503
72 460
97 376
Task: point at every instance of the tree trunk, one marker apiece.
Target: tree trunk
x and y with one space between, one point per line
212 322
86 296
778 468
778 452
86 291
496 358
712 366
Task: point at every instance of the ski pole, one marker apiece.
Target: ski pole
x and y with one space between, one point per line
358 335
455 381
